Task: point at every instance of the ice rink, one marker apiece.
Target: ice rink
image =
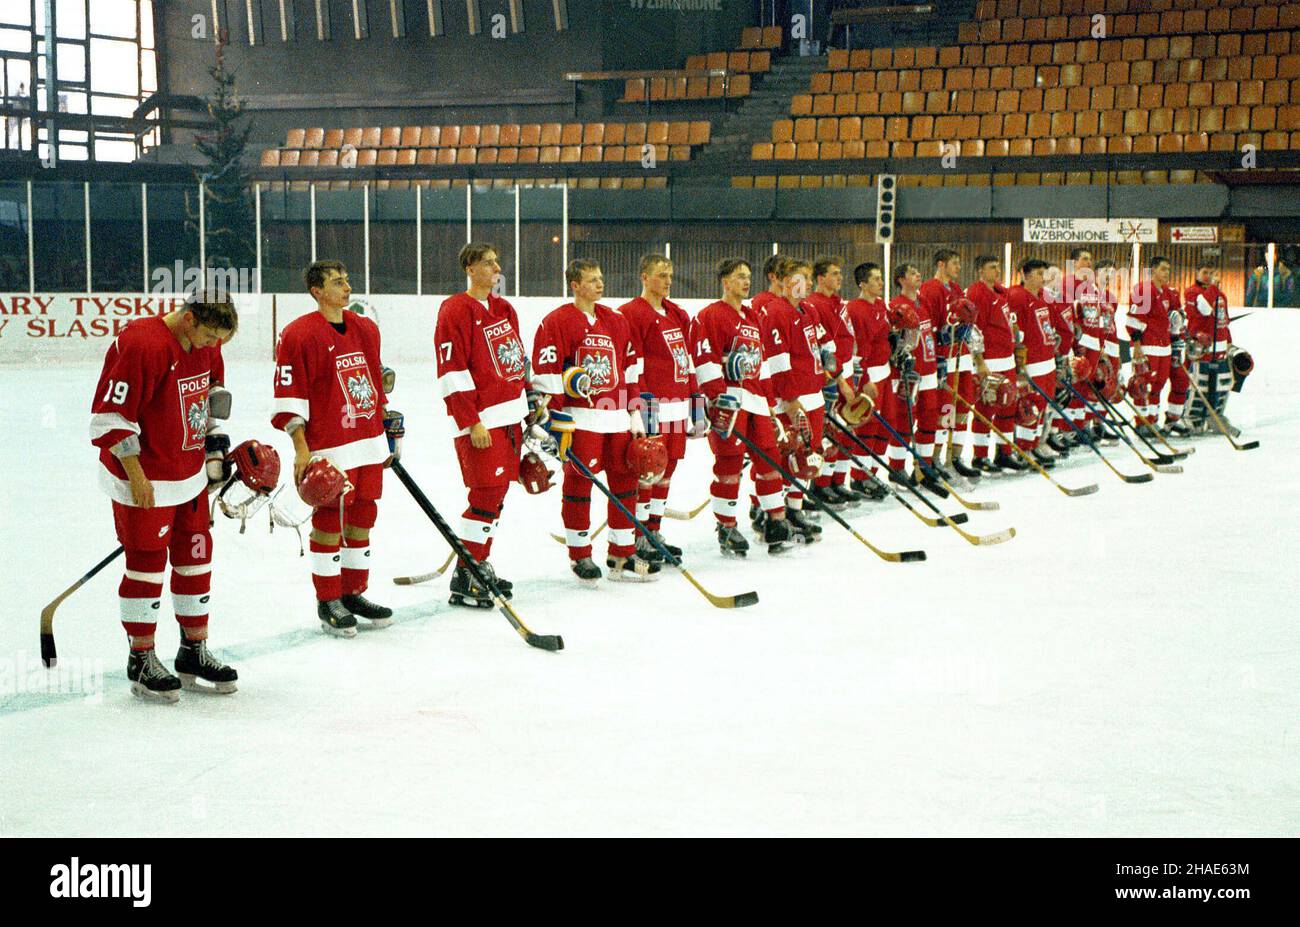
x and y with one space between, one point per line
1129 664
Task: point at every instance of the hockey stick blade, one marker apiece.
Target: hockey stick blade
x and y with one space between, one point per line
551 642
686 516
425 577
1081 491
744 600
49 653
973 506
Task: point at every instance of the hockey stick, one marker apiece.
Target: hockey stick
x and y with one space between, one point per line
1140 478
687 516
933 487
560 540
1160 456
976 539
907 556
1173 451
718 601
1160 464
425 577
960 518
1218 422
1028 457
550 642
50 656
926 468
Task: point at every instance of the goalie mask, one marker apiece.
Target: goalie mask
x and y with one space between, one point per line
257 469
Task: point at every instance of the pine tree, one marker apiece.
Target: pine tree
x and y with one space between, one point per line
228 198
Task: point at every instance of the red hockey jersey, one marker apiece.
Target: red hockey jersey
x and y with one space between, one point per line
795 360
832 318
1148 316
152 387
1033 318
939 301
994 321
1207 313
481 362
602 345
717 332
870 325
667 371
332 380
924 355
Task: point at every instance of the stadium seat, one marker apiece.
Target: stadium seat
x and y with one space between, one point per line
699 133
550 136
679 133
449 137
271 157
470 136
635 134
530 135
657 133
738 86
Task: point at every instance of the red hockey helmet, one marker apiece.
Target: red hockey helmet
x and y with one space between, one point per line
533 475
1140 365
1027 411
963 312
1105 379
257 465
1080 368
997 391
647 455
322 483
799 460
903 316
1140 387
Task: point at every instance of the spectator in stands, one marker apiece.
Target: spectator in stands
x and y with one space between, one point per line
1284 284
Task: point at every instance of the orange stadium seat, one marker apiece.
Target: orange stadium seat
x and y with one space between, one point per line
751 37
571 133
550 135
615 133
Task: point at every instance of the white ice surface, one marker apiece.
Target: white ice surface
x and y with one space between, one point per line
1129 664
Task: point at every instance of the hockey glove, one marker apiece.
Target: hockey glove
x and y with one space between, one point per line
907 374
388 379
218 404
831 393
941 366
722 414
577 383
394 431
699 415
740 365
650 413
559 425
217 454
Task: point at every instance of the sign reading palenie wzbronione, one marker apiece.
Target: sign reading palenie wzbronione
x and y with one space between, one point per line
1090 231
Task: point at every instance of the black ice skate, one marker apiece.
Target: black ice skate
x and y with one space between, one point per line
971 473
586 570
1180 428
647 551
1059 443
631 569
731 541
757 517
379 616
149 678
823 497
1045 459
803 530
986 465
870 488
335 618
901 478
466 590
845 495
672 549
1012 463
194 662
930 480
776 535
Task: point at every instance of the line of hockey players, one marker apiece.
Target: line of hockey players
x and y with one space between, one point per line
621 391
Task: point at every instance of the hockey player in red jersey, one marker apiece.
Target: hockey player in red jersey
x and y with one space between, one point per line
1035 354
798 377
1205 311
837 350
994 363
585 363
867 317
482 375
1148 331
1080 291
917 366
149 419
660 329
1060 436
329 398
944 301
728 347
